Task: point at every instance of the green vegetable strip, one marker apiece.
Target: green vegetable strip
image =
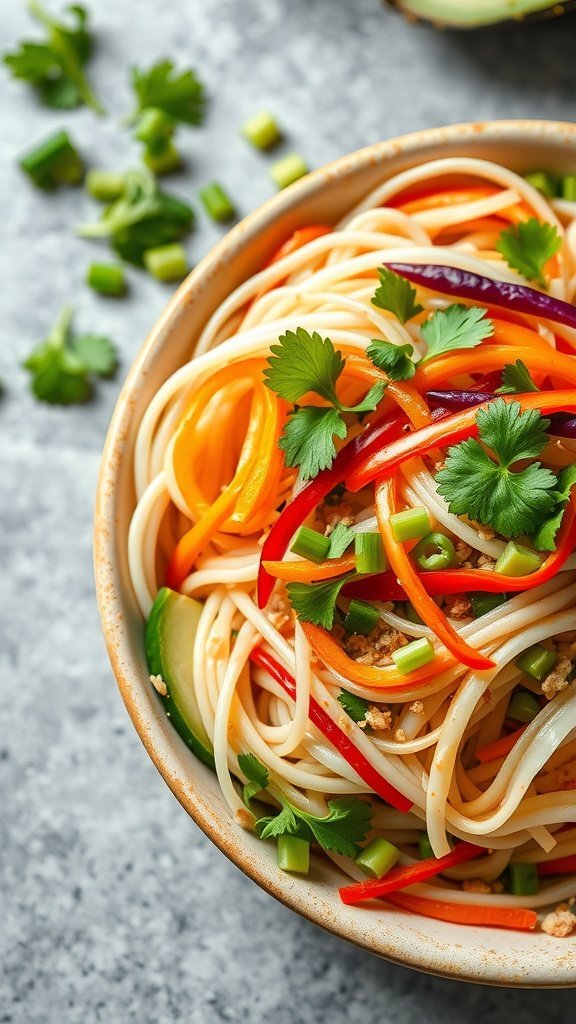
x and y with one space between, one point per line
261 130
544 182
311 544
54 162
216 202
107 278
517 560
523 707
361 617
378 857
484 603
524 879
165 162
369 551
167 262
293 854
568 187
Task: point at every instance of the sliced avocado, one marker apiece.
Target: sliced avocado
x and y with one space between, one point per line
170 633
473 13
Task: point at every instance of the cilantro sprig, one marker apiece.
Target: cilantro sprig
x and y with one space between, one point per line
144 217
63 366
482 485
303 363
54 66
516 379
354 706
165 97
341 830
457 327
396 295
528 246
316 602
545 538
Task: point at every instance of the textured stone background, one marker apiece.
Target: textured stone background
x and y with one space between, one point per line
115 907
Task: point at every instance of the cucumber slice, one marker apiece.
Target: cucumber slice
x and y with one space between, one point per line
473 13
170 633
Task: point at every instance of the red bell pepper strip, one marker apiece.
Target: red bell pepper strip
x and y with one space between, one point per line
384 430
516 918
400 878
561 866
447 431
413 584
334 734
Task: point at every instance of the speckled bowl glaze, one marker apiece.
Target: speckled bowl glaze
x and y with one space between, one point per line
471 954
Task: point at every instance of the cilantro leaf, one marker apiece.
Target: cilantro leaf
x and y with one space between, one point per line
256 773
343 828
96 353
144 217
340 540
304 362
355 707
513 503
61 366
180 95
516 379
456 327
370 400
395 360
545 538
55 67
396 295
316 602
283 823
528 246
307 440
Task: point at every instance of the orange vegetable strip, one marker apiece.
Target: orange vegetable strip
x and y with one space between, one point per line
310 572
516 918
493 357
500 747
299 238
423 604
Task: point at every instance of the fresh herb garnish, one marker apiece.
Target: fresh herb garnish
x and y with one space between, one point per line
395 360
316 602
144 217
396 295
355 707
341 830
528 246
456 327
54 162
165 97
545 538
62 367
516 379
487 489
340 540
304 363
55 66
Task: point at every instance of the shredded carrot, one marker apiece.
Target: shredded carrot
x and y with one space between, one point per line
299 238
516 918
500 747
310 572
493 357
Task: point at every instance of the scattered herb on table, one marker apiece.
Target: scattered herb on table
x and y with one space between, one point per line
165 98
63 366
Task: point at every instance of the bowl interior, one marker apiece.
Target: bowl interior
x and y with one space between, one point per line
485 955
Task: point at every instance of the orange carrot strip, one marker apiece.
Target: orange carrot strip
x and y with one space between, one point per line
310 572
516 918
500 747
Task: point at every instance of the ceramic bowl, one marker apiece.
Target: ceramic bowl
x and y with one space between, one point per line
469 953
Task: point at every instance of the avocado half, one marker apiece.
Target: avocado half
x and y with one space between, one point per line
475 13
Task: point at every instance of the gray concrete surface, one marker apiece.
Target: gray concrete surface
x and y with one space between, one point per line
114 906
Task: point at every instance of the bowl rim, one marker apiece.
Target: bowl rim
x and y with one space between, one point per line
109 595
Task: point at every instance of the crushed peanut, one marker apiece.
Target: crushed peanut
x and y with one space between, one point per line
379 719
159 685
561 922
279 612
417 707
476 885
557 680
457 607
400 736
377 648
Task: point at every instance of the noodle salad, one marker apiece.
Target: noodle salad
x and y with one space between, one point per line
354 547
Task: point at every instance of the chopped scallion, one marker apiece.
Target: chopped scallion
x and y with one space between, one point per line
165 162
544 182
54 162
361 617
537 662
523 879
517 560
523 707
107 278
484 603
425 847
568 187
167 262
435 551
261 130
287 170
411 524
217 202
369 551
293 854
415 655
105 186
378 857
311 544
